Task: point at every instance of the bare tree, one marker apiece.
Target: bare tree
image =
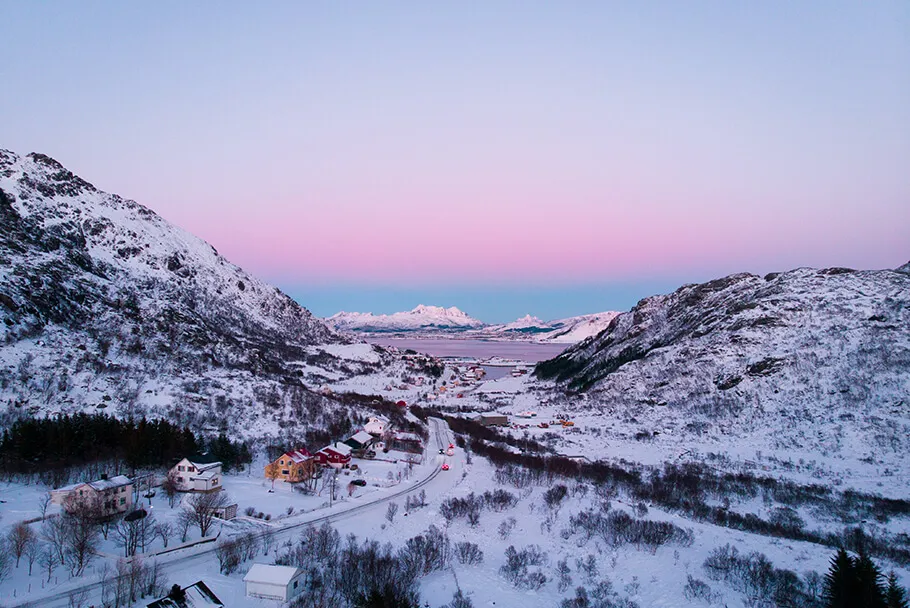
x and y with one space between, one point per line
184 523
228 554
145 532
53 530
126 535
273 472
204 508
268 540
19 538
5 562
49 558
43 503
170 487
165 530
391 511
32 553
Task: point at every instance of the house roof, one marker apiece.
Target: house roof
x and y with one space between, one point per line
99 484
198 595
338 448
208 473
362 437
269 574
299 455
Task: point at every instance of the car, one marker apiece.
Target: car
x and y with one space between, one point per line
441 451
451 446
359 482
445 466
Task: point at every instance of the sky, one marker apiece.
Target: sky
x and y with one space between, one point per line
503 157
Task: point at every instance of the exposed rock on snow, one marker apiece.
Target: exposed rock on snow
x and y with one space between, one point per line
104 303
814 359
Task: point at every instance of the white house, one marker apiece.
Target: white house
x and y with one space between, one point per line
197 475
376 425
281 583
114 495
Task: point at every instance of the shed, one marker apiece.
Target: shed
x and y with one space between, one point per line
197 595
270 582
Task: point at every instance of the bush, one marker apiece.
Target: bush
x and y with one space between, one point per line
468 553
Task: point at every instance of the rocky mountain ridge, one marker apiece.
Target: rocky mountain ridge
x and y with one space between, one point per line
104 304
806 360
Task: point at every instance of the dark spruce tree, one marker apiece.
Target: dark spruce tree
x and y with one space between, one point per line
895 595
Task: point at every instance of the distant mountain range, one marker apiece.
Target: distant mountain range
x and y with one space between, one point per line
435 321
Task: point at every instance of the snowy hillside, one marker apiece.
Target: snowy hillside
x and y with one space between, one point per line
104 304
807 362
563 331
420 318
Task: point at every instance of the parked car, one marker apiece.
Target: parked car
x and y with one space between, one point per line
359 482
445 466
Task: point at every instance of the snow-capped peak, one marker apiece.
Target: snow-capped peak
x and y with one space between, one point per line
420 317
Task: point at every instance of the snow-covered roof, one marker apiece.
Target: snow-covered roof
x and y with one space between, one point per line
100 484
205 466
338 447
207 474
298 456
362 437
270 574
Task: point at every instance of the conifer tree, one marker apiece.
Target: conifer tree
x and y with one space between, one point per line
840 581
895 595
869 579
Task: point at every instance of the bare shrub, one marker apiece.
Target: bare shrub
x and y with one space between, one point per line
468 553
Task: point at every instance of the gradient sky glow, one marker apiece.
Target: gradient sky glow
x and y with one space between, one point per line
504 157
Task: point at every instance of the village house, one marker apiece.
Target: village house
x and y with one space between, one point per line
294 466
197 595
337 455
360 441
376 425
281 583
110 496
197 474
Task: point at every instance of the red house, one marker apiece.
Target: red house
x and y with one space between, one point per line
337 455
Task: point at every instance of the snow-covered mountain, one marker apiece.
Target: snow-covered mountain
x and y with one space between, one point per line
420 318
813 360
435 321
105 304
562 331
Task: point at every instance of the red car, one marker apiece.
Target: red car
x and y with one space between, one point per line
445 466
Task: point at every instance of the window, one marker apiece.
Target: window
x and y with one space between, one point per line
180 479
284 471
215 482
191 469
122 501
181 468
281 461
295 584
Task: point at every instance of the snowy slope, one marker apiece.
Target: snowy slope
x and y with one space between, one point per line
104 304
420 318
813 362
